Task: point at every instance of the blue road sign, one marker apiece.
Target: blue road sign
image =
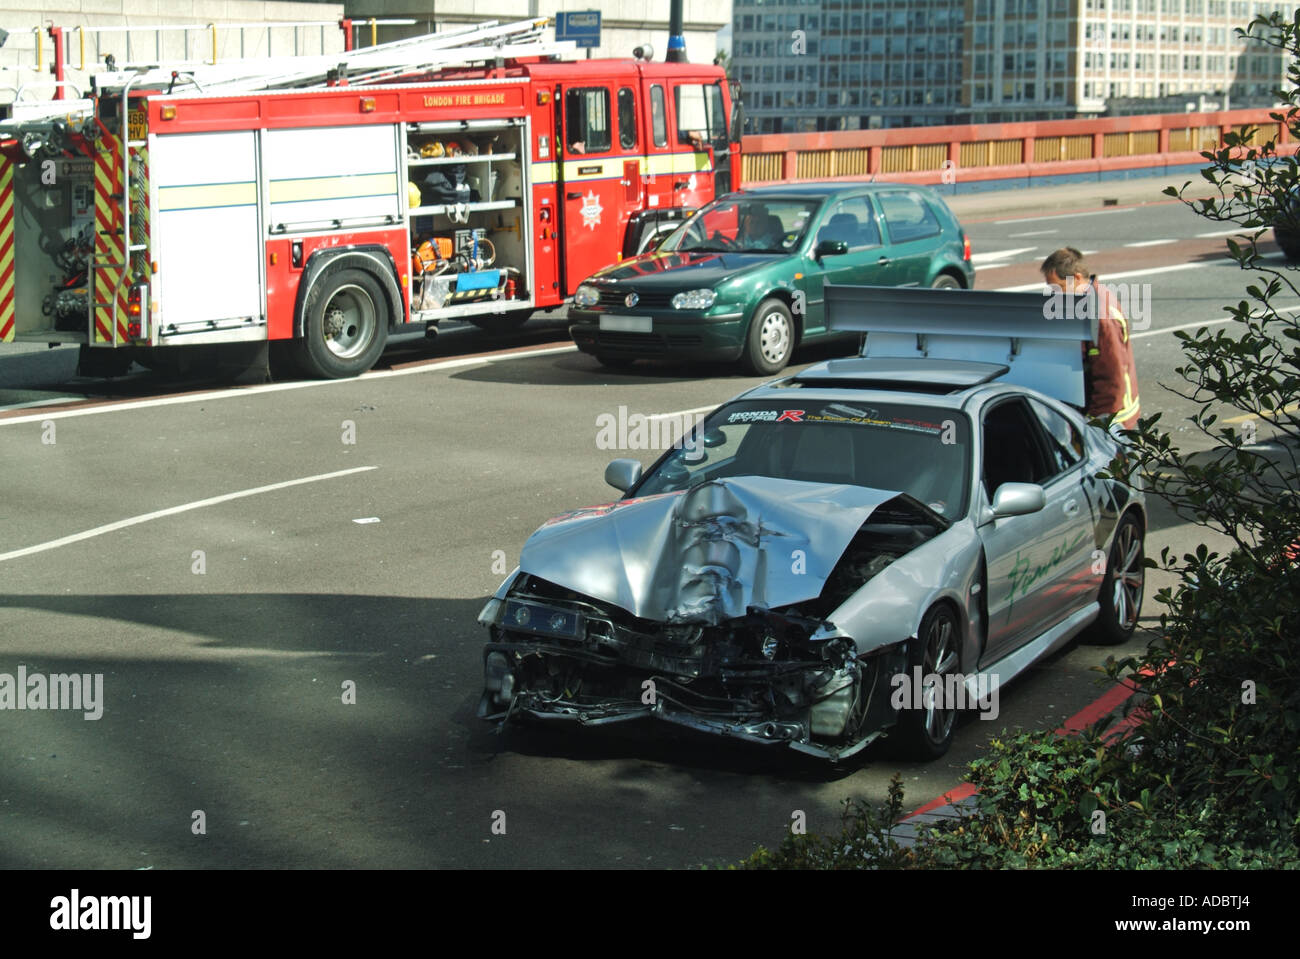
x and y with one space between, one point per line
582 26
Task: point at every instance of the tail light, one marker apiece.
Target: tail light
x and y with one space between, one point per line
965 247
137 311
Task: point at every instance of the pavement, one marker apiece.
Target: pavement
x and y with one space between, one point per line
1070 197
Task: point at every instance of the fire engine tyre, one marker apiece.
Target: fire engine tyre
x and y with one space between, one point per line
770 339
345 325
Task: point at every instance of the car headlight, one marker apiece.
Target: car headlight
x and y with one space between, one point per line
694 300
586 295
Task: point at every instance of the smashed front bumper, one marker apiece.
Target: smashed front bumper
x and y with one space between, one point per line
757 679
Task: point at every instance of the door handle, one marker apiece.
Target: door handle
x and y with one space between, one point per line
573 196
681 184
1071 508
883 261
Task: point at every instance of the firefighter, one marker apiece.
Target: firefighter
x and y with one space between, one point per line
1110 373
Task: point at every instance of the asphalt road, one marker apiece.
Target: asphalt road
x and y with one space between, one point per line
229 630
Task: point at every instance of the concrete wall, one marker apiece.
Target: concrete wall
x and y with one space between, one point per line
18 57
625 24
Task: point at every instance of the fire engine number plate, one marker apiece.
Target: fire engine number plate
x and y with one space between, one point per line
627 324
135 125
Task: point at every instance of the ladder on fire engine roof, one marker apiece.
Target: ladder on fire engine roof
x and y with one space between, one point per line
385 62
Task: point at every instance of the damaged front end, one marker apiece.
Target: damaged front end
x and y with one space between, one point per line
712 656
555 655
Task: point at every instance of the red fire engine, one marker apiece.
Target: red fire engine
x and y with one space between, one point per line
325 203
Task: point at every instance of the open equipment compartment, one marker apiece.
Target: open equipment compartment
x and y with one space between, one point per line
469 235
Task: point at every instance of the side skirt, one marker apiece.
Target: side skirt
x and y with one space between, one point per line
1017 661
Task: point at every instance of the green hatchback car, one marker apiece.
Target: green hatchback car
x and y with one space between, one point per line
743 278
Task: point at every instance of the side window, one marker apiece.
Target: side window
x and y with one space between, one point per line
1064 444
658 116
586 120
626 118
1013 451
852 221
908 216
700 117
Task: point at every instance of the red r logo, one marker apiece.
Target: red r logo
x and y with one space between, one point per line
794 416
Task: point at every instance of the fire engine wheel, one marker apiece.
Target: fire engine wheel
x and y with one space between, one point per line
770 339
345 325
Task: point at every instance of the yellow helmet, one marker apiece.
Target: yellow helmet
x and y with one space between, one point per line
412 194
431 150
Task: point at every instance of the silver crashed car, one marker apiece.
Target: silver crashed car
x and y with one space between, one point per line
818 544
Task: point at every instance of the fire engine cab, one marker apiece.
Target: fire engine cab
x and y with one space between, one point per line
324 203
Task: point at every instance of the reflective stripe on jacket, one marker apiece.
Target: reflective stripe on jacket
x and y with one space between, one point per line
1111 372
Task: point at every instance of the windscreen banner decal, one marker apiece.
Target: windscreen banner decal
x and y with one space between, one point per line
840 413
766 416
874 418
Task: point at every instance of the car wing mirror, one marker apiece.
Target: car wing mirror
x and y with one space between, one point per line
1018 499
623 474
831 248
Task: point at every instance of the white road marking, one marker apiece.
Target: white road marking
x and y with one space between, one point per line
1106 278
1001 254
277 387
1012 236
172 511
1238 231
52 399
1062 216
1185 326
1151 243
1217 321
681 413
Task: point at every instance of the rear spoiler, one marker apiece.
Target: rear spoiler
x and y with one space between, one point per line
1037 336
